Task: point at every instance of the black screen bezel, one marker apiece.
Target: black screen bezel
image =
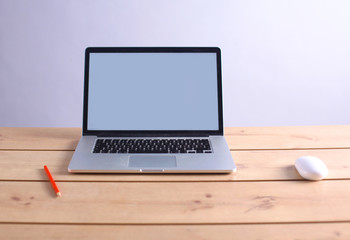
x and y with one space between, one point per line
155 133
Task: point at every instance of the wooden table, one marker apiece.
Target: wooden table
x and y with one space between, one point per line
265 199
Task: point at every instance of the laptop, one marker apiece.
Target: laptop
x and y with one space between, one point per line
152 110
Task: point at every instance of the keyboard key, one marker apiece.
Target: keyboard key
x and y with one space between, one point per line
190 146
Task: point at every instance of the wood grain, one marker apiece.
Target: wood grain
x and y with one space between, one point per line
176 203
39 138
294 137
265 199
252 166
329 231
238 138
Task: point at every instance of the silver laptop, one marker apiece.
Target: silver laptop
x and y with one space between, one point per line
152 110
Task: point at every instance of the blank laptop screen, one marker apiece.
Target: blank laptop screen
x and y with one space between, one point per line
153 91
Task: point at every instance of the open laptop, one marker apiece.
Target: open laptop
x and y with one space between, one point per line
152 110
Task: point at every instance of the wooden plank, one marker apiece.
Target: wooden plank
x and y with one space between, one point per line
176 203
39 138
279 164
295 137
160 232
252 166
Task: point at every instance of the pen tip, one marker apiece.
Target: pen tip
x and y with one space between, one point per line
58 194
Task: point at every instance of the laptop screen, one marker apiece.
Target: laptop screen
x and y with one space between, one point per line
152 91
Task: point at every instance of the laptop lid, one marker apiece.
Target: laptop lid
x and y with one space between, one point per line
152 91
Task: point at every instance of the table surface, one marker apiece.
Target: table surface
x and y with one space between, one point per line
265 199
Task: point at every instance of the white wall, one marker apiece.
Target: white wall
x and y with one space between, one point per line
284 62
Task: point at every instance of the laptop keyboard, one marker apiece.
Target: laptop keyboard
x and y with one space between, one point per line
152 146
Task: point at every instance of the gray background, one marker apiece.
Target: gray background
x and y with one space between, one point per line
284 62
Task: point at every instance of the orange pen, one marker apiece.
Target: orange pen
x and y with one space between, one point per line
54 186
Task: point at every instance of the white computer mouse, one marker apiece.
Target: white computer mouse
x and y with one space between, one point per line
311 168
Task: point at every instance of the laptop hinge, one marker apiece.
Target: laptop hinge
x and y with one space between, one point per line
130 134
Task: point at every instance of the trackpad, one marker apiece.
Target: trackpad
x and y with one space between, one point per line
142 161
